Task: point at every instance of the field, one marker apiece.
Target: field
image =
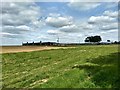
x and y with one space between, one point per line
94 66
14 49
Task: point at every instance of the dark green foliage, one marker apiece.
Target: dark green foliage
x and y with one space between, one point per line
93 39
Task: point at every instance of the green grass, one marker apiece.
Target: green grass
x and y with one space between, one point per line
80 67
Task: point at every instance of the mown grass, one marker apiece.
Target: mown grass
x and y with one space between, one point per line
80 67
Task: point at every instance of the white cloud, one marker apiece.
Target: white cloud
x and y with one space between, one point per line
107 21
8 35
5 33
111 14
63 24
86 26
13 20
59 21
23 27
19 17
109 35
16 29
54 32
64 30
101 19
54 15
42 37
83 5
69 28
113 30
109 26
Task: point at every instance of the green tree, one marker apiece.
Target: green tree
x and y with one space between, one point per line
93 39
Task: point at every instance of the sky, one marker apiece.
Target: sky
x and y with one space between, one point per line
71 22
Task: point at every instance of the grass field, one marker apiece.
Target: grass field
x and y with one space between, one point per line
81 67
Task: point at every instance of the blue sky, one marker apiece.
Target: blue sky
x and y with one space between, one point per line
46 21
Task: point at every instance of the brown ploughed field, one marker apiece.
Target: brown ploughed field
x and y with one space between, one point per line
14 49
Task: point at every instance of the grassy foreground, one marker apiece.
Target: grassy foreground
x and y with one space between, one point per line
80 67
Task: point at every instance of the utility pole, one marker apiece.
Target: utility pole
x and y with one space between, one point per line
58 40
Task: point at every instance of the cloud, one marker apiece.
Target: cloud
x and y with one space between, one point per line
54 32
13 20
83 6
54 15
43 37
106 17
23 27
63 24
107 21
111 14
5 33
69 29
109 26
10 29
105 25
19 17
58 21
64 30
110 35
101 19
113 30
8 35
86 26
17 29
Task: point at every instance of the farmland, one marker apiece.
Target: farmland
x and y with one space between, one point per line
15 49
94 66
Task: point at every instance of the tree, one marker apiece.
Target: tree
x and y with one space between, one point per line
108 40
115 42
93 39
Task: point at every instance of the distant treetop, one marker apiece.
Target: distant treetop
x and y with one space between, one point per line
93 39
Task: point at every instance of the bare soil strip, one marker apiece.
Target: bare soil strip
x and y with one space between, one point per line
15 49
